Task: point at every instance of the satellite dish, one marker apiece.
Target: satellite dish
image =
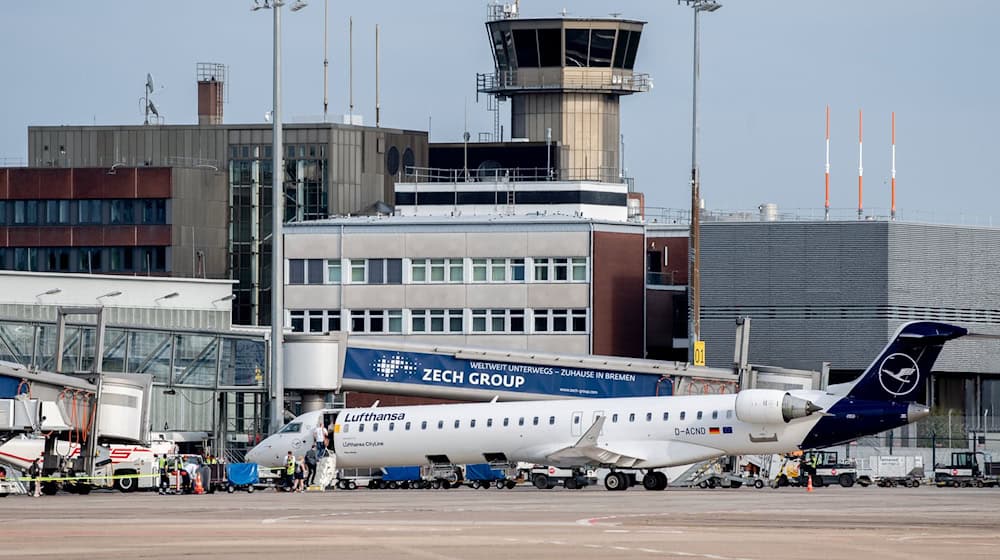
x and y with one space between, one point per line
152 109
149 83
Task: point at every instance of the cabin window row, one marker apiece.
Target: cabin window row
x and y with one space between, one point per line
534 421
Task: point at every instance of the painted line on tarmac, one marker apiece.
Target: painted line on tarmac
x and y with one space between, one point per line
616 548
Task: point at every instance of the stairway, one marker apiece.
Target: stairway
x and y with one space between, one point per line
327 472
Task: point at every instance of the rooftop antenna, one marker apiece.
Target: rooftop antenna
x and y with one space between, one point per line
148 105
326 60
826 205
892 215
378 106
861 170
350 66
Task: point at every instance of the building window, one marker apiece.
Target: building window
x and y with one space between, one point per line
25 212
541 270
57 211
384 271
437 320
498 270
89 211
3 211
560 320
497 320
358 275
560 269
437 270
154 211
58 260
315 320
90 260
377 321
333 271
154 259
305 271
122 211
121 259
26 258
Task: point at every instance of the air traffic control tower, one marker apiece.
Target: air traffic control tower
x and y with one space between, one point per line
567 75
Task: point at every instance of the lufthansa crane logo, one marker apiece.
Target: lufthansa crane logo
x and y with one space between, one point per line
899 374
389 367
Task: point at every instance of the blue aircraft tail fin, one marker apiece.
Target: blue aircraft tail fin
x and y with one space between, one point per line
901 371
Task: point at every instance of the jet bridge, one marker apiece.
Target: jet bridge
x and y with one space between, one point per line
316 365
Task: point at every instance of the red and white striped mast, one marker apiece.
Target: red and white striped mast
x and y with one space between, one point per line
826 205
861 170
893 213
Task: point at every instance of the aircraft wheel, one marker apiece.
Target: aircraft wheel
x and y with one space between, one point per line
758 484
541 481
616 481
661 481
650 481
846 480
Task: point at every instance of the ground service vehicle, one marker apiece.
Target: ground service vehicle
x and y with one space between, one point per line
546 478
829 470
967 468
890 471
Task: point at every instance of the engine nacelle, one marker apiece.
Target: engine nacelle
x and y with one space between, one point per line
770 406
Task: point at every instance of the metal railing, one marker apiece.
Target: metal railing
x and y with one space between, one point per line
669 278
11 162
610 80
683 216
512 174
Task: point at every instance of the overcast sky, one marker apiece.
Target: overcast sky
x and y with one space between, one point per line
769 68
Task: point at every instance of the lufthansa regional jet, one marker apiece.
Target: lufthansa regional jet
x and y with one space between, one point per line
638 433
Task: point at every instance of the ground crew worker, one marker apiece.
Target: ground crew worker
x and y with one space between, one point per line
289 471
311 464
164 479
35 472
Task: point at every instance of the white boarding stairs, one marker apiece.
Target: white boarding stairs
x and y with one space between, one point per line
12 486
327 471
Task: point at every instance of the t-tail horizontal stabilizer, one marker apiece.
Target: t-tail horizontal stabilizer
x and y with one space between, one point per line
902 369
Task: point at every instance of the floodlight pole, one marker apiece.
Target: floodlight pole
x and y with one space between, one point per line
277 240
694 279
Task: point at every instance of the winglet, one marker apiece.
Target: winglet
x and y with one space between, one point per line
589 439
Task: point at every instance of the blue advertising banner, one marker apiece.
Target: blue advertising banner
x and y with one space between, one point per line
445 371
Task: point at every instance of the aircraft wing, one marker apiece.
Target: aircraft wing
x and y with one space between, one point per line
589 449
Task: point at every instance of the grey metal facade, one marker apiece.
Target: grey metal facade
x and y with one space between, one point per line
835 291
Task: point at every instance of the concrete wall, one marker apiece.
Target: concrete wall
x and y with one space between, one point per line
199 224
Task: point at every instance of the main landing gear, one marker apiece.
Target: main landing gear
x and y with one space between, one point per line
619 481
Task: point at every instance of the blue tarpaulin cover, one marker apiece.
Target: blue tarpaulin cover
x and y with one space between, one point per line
240 474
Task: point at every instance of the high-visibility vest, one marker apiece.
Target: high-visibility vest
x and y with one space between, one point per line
163 463
290 467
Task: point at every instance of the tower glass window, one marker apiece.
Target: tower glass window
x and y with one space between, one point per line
577 47
526 47
550 47
602 42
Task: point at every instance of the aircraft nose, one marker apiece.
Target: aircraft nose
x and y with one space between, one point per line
916 411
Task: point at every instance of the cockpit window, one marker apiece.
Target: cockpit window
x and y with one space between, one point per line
293 428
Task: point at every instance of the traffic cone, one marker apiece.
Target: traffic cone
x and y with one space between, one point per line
199 489
809 486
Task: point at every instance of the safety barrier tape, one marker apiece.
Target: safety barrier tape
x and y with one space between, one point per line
97 477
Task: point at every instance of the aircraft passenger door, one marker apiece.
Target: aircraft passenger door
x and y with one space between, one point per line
330 421
576 423
598 414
